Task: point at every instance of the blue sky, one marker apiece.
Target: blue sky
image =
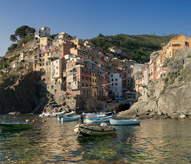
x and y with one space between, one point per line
87 18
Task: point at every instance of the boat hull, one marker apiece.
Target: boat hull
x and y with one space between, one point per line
115 122
97 120
94 130
68 119
15 125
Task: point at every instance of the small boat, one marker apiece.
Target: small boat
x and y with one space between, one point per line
53 114
15 125
101 114
85 129
70 114
97 119
68 119
119 122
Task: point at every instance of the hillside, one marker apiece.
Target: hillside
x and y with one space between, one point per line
170 97
138 46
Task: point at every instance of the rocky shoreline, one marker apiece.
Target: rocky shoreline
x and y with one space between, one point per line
169 98
137 112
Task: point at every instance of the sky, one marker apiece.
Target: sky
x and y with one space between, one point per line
86 19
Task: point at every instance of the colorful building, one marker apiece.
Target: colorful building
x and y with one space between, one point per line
178 42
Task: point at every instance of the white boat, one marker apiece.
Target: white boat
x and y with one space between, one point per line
96 120
94 115
68 119
70 114
85 129
123 122
56 114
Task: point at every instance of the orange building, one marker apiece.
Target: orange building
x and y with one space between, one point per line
178 42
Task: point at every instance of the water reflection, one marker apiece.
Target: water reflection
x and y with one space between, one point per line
160 141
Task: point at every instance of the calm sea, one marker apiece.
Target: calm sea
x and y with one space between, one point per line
154 141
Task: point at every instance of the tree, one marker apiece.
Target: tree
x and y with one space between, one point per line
100 35
13 38
20 32
30 31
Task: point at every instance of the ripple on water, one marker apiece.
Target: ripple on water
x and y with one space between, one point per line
154 141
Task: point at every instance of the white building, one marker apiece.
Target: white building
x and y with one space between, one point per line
42 32
115 50
64 36
115 85
56 71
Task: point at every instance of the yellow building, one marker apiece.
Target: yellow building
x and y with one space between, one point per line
40 61
178 42
45 41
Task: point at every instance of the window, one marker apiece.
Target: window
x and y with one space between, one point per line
86 78
82 70
115 79
186 44
86 85
82 84
112 83
111 75
115 83
111 79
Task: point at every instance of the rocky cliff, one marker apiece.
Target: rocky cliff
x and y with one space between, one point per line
169 97
23 93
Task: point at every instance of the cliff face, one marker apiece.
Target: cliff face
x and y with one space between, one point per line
24 94
170 97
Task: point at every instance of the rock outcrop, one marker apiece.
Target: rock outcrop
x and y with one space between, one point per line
169 97
22 93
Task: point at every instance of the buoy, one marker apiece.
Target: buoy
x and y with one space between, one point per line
34 120
27 121
14 117
44 121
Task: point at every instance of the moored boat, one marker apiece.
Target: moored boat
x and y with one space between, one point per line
96 120
68 119
85 129
123 122
54 114
15 125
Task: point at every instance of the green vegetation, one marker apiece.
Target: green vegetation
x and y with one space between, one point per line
6 61
167 81
24 33
138 46
12 47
